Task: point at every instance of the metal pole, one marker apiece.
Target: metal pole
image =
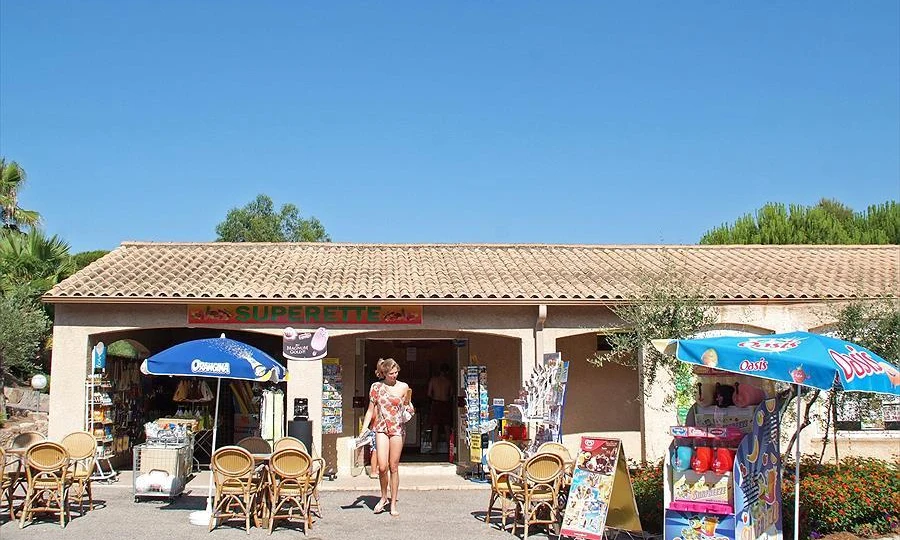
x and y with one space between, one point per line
797 473
213 451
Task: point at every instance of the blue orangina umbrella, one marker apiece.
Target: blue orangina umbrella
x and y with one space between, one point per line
219 358
800 358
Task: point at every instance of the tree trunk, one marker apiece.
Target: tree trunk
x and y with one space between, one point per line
804 424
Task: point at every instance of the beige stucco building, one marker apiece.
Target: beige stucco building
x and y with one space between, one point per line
502 306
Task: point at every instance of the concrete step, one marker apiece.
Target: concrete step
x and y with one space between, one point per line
428 469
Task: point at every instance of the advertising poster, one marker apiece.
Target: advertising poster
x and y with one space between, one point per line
601 492
332 402
300 345
758 479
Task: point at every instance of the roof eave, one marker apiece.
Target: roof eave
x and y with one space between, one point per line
600 301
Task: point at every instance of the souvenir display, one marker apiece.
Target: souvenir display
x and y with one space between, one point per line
332 402
540 404
477 410
723 468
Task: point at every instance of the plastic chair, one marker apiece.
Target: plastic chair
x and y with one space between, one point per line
291 485
289 442
46 473
82 448
537 490
503 458
236 485
255 445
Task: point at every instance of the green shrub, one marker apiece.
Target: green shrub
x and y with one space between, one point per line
647 481
861 496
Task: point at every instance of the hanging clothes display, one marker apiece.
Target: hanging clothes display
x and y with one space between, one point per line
271 415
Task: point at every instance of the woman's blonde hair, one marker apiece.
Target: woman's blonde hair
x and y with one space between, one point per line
384 366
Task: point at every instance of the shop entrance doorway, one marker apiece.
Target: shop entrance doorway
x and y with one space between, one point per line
428 433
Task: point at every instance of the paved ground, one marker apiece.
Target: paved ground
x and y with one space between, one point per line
438 513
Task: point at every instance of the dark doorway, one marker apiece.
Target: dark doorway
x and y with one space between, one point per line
419 359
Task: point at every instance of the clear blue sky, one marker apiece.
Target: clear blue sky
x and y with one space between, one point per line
594 122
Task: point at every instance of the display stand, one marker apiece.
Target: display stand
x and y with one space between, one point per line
740 502
99 418
477 413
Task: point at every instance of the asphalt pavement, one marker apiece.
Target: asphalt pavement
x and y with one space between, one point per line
449 514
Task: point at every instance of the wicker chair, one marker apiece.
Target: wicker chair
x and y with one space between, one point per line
82 448
318 471
536 490
255 445
563 452
503 458
27 438
289 442
291 485
46 472
236 485
8 475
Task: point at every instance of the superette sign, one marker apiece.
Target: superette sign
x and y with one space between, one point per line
301 315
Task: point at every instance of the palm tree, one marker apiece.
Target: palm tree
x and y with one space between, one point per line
32 262
12 179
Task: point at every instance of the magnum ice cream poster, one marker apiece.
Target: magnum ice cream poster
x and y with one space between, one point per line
302 345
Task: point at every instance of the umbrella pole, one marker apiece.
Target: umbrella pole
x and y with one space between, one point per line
797 472
201 517
213 451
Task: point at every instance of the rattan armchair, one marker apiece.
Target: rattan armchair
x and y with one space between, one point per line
255 445
8 475
289 442
563 452
503 458
536 490
82 447
46 473
317 472
236 483
27 438
291 486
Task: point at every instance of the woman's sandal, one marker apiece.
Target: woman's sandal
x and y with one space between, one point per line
395 513
379 508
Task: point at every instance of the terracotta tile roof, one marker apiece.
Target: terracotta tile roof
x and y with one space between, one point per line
172 272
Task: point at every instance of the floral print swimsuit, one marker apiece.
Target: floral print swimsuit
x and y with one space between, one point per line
387 411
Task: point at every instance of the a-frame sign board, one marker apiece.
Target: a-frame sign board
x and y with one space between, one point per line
601 494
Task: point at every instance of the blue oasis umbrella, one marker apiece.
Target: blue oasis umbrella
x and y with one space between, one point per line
800 358
219 358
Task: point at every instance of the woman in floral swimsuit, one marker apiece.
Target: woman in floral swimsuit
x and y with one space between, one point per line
387 401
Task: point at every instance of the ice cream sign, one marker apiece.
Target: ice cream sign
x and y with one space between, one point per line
300 345
301 315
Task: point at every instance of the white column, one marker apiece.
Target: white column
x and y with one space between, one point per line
67 377
306 381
